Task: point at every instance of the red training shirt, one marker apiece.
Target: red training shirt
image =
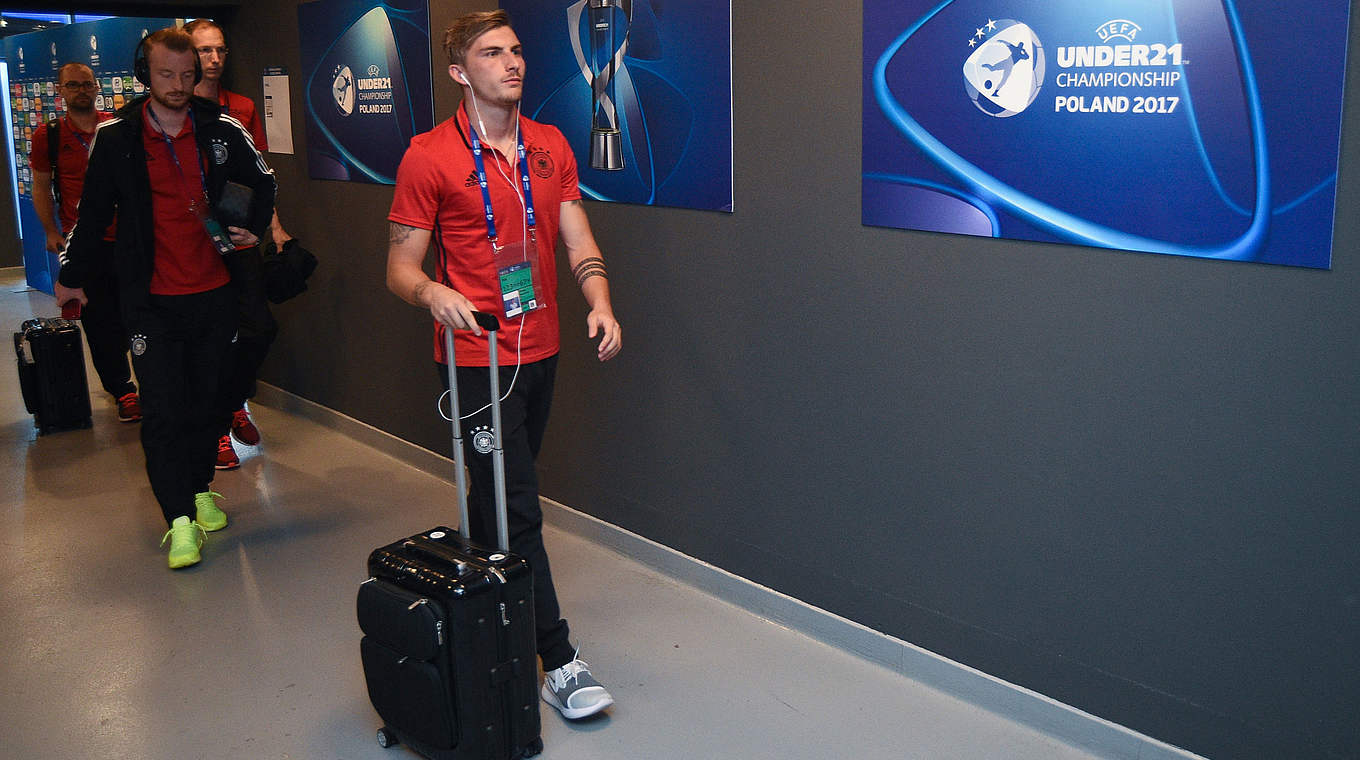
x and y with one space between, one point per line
186 259
242 109
72 156
437 184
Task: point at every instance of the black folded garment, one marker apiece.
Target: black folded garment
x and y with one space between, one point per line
286 270
233 208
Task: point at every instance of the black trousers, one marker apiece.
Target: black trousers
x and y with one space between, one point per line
524 417
102 321
179 346
255 332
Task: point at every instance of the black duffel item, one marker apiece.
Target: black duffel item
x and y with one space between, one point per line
51 363
233 208
286 270
449 648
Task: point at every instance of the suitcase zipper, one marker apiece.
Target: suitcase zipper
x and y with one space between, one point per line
439 624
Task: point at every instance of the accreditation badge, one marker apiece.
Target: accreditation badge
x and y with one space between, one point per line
518 275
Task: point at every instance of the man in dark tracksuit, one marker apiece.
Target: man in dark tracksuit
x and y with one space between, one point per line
161 166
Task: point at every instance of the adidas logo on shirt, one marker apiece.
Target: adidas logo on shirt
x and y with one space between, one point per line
471 180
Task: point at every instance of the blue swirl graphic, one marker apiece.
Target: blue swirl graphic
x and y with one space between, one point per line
953 192
1203 151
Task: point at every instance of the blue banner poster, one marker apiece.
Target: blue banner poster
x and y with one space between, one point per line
366 85
1185 127
641 89
34 98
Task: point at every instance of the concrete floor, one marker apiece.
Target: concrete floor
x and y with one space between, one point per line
104 653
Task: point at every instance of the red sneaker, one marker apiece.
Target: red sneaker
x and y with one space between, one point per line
226 455
242 429
129 408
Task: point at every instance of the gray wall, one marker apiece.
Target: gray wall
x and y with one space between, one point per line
1125 481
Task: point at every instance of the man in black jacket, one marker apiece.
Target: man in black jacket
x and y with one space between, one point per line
161 165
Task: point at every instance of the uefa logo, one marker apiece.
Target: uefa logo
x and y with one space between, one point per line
342 90
1005 71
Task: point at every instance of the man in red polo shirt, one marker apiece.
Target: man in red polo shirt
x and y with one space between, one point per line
161 165
211 46
257 330
74 132
502 262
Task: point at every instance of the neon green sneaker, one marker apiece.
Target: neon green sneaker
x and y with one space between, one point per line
185 536
206 512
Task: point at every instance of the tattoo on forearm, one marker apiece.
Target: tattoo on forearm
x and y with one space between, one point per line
420 290
581 279
398 233
594 262
588 268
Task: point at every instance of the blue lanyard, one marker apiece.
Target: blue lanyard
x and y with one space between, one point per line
486 194
76 134
170 147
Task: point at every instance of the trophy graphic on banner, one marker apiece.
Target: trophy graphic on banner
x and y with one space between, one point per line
609 21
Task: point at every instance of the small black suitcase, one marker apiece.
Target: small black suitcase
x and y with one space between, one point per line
449 647
51 364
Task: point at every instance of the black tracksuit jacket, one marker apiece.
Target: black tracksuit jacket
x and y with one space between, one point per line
117 183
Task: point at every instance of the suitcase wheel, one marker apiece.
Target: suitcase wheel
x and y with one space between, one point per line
533 748
386 738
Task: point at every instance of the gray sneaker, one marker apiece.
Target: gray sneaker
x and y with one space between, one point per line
574 692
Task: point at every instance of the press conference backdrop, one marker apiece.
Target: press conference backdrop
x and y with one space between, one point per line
33 99
366 85
1190 127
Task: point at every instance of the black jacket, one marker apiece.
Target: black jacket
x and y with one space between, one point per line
117 182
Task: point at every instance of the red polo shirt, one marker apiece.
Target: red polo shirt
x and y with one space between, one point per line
186 259
72 156
437 185
242 109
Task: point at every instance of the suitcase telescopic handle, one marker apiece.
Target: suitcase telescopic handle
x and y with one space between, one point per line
486 321
491 324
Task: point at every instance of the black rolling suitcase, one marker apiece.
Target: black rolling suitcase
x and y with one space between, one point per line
449 648
52 374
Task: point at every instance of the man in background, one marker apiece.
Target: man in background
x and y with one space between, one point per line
257 328
60 152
